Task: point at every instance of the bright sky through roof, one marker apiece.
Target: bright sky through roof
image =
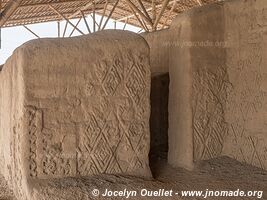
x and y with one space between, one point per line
15 36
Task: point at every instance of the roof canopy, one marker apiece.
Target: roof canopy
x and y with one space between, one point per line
146 14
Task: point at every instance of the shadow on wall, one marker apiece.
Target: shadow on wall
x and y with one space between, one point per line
1 67
159 98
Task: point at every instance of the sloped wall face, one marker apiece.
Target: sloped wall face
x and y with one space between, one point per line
85 108
11 123
246 25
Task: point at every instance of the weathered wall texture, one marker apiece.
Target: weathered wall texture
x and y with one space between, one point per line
209 76
217 55
180 90
11 114
246 114
197 86
75 107
159 51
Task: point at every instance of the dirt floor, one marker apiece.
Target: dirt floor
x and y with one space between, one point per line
217 174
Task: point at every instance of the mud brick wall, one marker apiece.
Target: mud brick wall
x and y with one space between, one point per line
159 51
11 114
75 107
216 58
209 81
246 113
201 86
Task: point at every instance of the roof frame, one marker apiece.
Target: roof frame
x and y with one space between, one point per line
149 15
10 8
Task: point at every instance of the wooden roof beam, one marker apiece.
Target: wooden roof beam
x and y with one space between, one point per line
149 9
136 10
94 20
109 16
169 14
139 20
31 31
10 8
199 2
86 23
61 15
154 10
103 14
163 8
76 25
144 9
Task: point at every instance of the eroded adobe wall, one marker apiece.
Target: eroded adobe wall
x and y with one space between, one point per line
246 31
180 90
76 107
209 81
197 86
158 42
159 51
11 123
216 61
189 52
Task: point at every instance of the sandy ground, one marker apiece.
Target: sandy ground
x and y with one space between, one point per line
218 174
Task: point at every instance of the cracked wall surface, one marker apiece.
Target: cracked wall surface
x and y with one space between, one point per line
75 107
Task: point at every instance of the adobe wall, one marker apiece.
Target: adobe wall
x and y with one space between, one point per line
209 81
159 51
75 107
216 60
12 96
194 67
246 113
180 90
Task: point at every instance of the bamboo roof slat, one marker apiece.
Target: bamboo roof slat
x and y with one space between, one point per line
24 12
